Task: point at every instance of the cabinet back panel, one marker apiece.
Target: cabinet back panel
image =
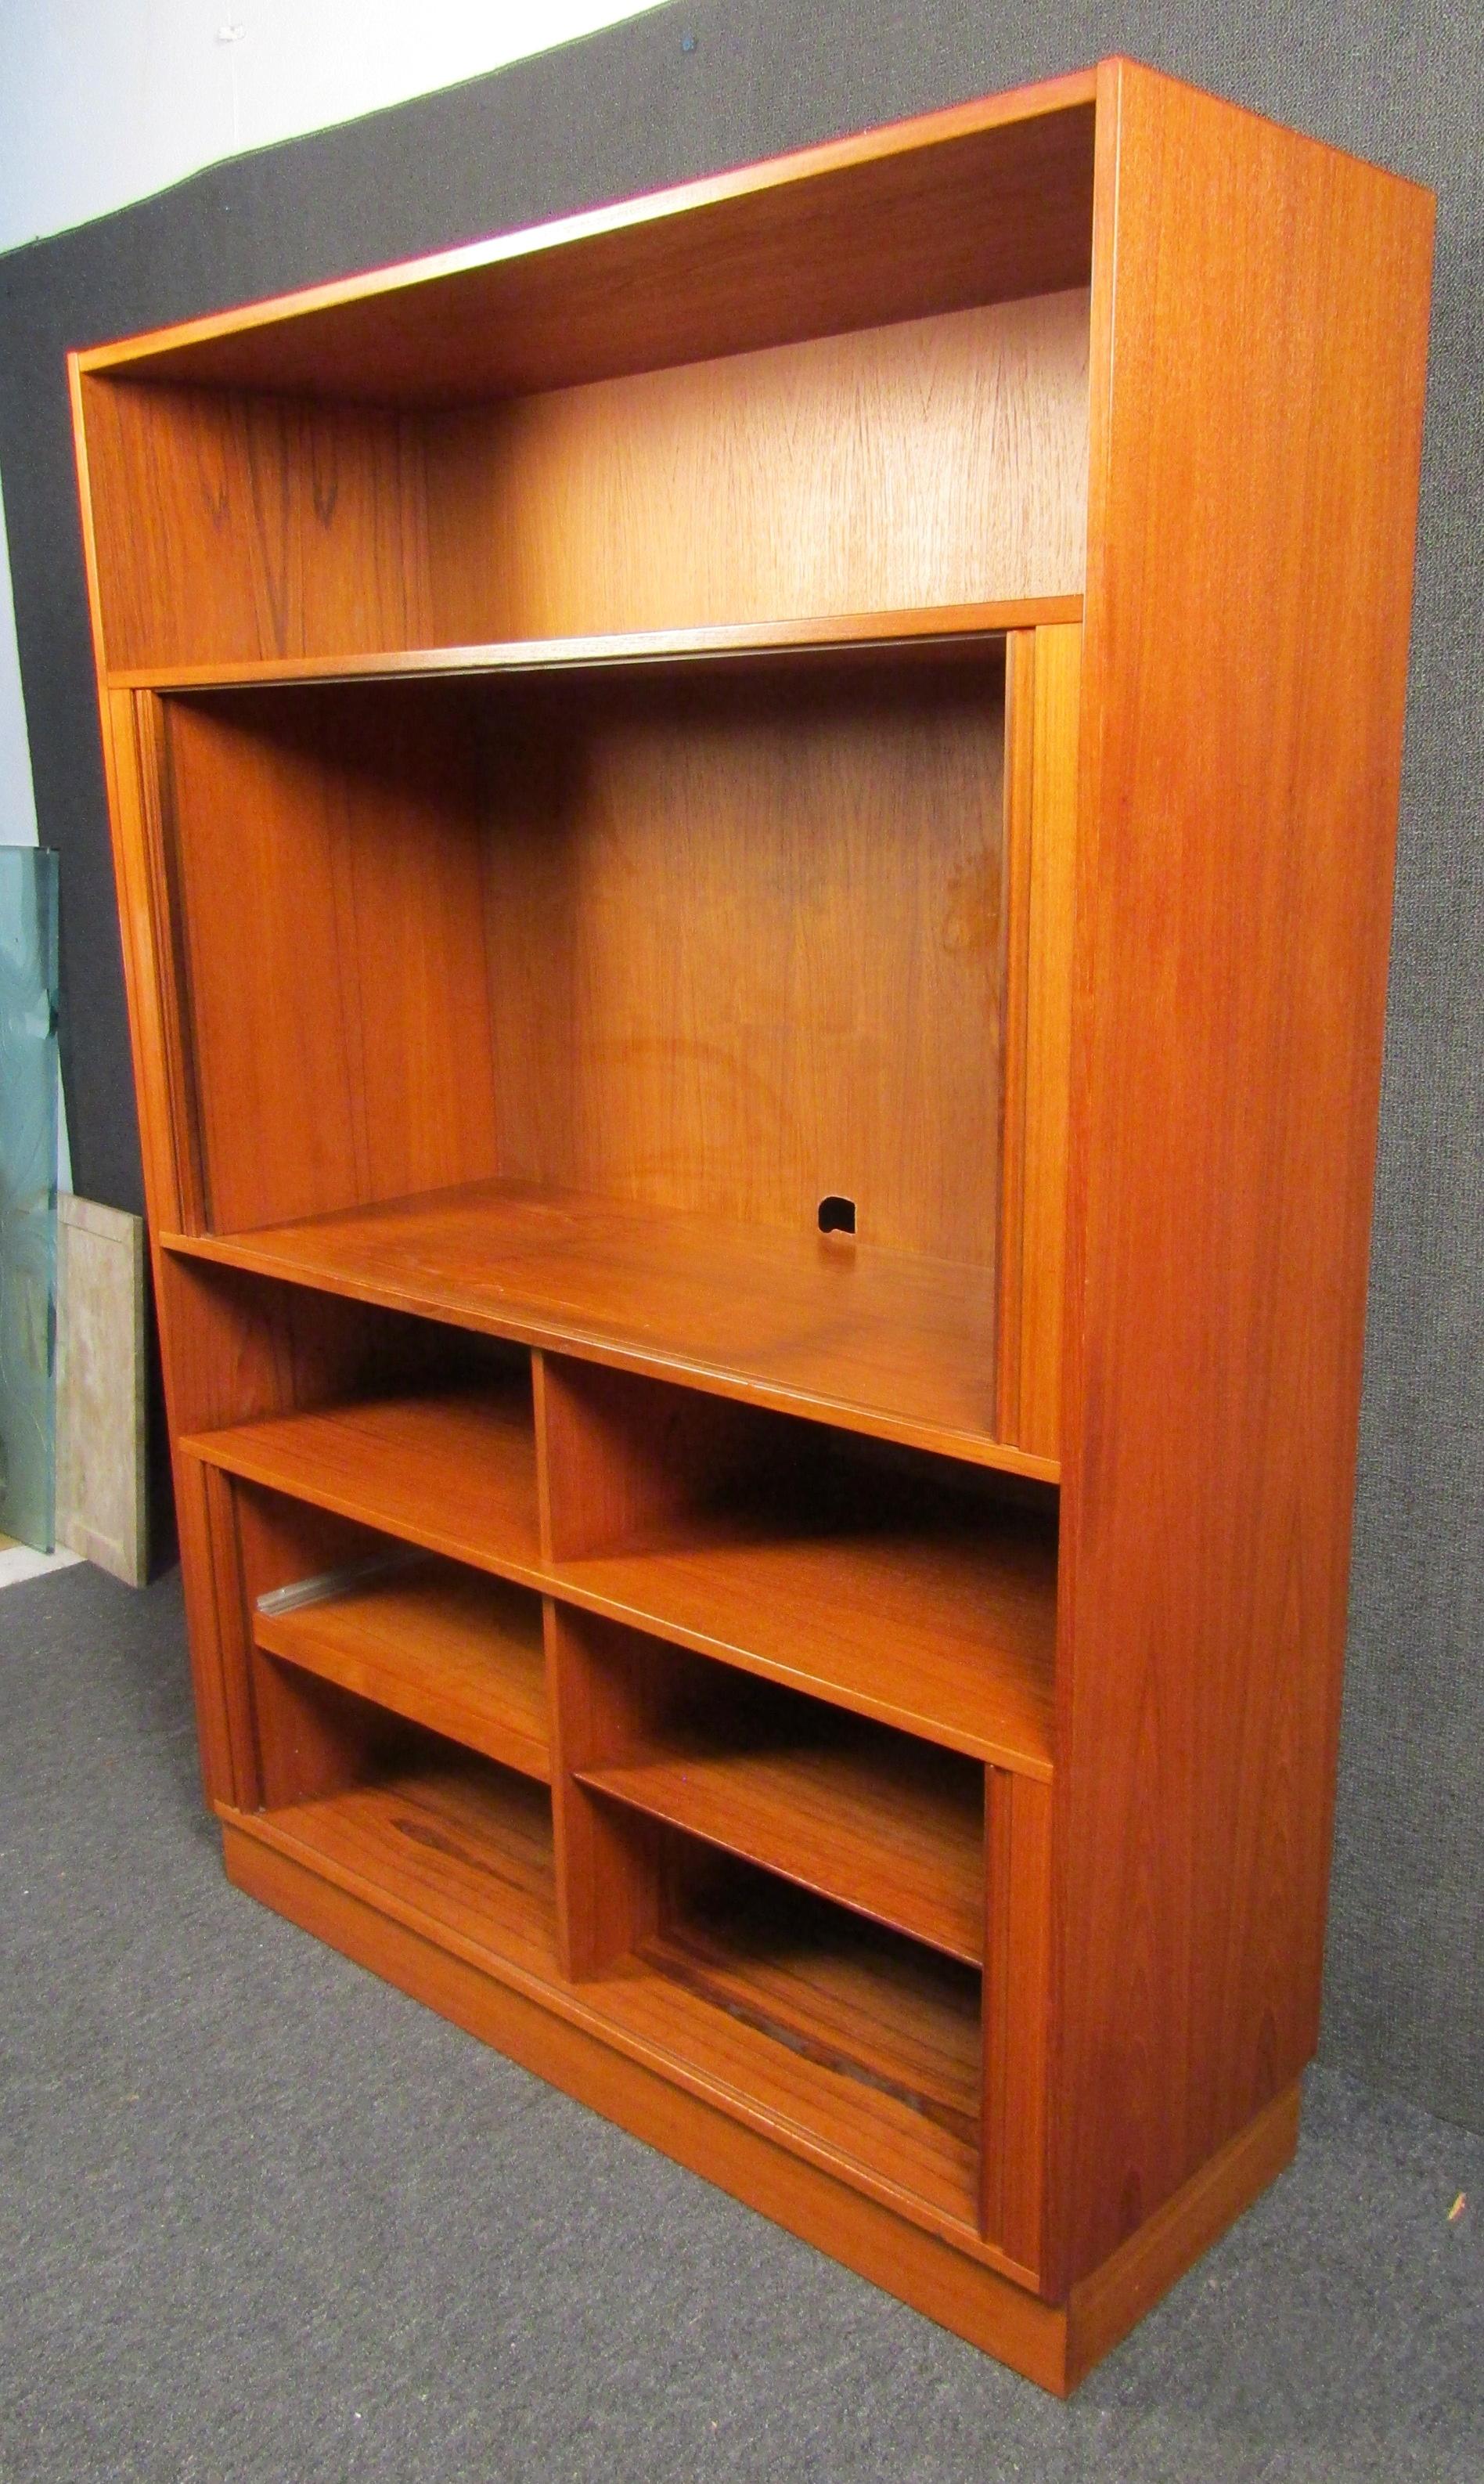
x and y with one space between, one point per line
745 945
228 525
938 461
326 857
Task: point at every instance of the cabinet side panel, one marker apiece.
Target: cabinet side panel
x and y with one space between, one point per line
1259 328
229 526
327 858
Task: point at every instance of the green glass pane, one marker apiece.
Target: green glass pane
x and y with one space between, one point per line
28 1193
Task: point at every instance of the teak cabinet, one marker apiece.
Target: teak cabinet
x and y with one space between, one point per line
864 691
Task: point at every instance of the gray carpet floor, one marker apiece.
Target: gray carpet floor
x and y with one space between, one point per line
263 2220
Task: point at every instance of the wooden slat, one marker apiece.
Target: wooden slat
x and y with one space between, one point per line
921 629
1017 2001
877 1342
1043 696
889 1827
458 1653
453 1471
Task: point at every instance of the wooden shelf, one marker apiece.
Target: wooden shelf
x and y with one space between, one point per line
887 1825
941 1623
945 1631
453 1837
837 2039
457 1652
868 2014
453 1471
874 1341
956 624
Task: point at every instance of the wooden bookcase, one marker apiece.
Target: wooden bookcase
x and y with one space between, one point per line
865 689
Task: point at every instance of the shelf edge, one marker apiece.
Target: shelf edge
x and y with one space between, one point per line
528 1328
923 626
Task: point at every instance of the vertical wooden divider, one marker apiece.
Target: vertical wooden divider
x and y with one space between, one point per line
607 1857
1018 1953
1044 683
614 1455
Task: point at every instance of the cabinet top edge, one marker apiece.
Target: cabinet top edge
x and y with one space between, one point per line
180 351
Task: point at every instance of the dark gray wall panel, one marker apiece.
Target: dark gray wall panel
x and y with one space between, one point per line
633 108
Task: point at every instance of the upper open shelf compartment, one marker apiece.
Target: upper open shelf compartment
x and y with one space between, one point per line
582 1012
631 423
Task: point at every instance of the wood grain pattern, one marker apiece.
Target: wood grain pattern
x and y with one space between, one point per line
1044 693
1017 1979
446 1649
988 201
338 1040
937 461
276 527
453 1471
1106 2305
466 1845
746 946
1259 323
883 1824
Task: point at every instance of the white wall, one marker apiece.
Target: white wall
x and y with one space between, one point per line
103 101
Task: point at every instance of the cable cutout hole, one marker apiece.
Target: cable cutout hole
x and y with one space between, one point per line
837 1215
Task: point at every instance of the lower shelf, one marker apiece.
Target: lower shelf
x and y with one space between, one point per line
840 2038
442 1646
845 1996
561 2037
892 1828
458 1839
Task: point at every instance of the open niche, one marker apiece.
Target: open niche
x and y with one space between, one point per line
663 1008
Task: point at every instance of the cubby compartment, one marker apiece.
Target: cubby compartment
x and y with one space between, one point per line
911 1588
449 1840
876 2038
436 1642
626 986
402 1425
950 449
878 1820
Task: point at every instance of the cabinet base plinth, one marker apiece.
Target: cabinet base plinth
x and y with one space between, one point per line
1052 2345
